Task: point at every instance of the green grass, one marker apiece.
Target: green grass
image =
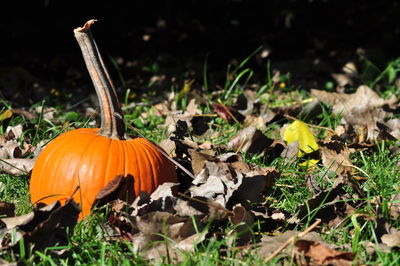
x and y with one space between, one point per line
89 242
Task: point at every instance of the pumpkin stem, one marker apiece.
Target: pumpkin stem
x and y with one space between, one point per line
112 123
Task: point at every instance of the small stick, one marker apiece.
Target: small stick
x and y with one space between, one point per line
227 110
291 240
241 144
215 205
206 115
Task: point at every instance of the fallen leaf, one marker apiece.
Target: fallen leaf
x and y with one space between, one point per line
269 244
360 108
344 103
242 234
24 113
323 255
10 150
342 80
395 206
46 112
392 239
244 103
227 113
117 188
335 155
250 140
199 160
14 132
168 146
44 227
16 166
185 116
6 114
300 133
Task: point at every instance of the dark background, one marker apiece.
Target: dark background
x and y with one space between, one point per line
310 39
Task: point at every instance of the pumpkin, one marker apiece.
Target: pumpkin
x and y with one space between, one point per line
92 157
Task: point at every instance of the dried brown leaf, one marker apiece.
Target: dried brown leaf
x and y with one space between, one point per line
344 103
199 160
395 206
242 234
10 150
14 132
249 140
323 255
335 156
227 113
26 114
168 146
118 188
342 79
360 108
269 244
43 227
16 166
392 239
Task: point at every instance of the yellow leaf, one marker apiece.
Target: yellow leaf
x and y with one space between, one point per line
6 114
186 89
299 131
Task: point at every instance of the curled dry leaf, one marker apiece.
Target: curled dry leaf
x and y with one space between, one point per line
360 108
395 206
199 160
186 116
269 244
16 166
244 103
392 238
323 255
249 140
41 228
118 188
242 233
344 103
335 156
10 149
47 112
14 132
26 114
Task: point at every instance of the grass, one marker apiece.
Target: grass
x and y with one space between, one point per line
88 243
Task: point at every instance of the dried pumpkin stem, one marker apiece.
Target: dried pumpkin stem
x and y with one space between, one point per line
112 124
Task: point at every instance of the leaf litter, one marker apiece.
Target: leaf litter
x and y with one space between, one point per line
226 197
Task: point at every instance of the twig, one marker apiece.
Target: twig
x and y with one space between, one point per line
241 144
215 205
206 115
227 110
310 125
292 240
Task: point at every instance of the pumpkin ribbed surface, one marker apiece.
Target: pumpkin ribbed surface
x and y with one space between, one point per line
85 158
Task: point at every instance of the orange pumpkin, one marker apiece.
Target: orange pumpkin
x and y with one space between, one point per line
91 158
